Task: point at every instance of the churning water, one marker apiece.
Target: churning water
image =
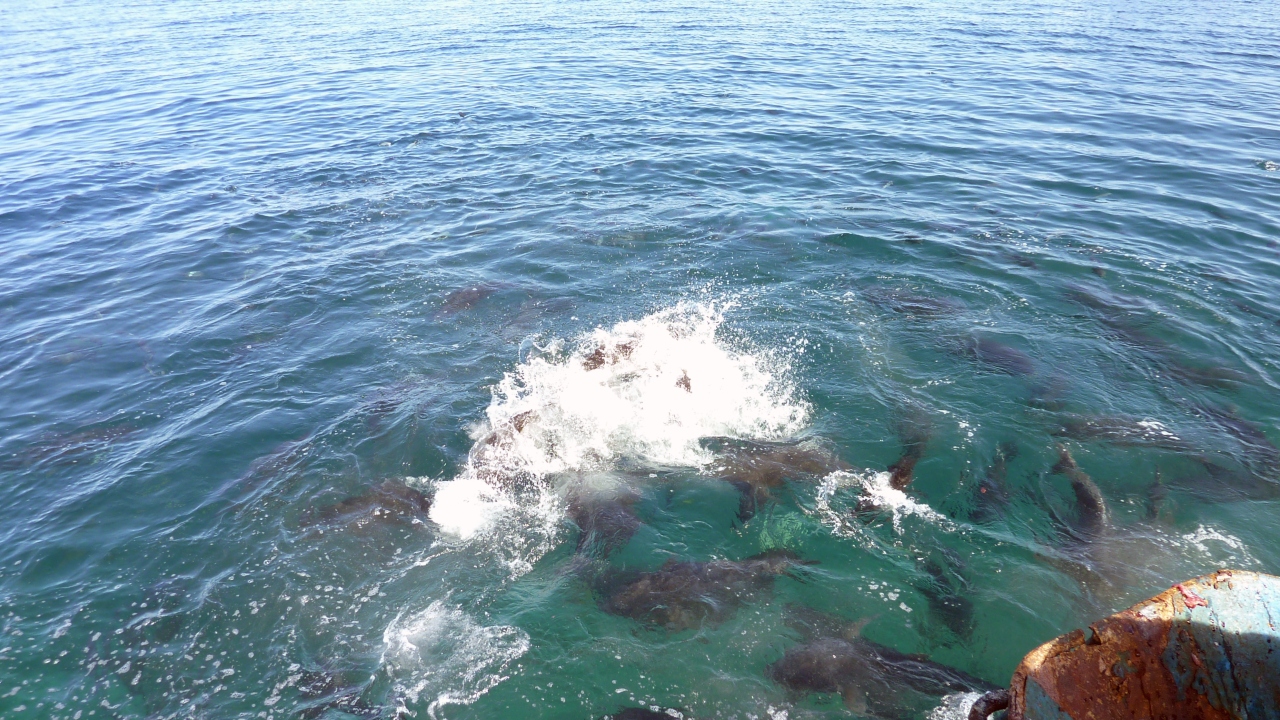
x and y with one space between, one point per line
369 358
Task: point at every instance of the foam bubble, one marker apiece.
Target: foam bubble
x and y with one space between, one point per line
442 651
1156 430
642 393
955 706
875 490
1234 548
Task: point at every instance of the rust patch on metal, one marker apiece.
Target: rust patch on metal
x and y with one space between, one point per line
1204 649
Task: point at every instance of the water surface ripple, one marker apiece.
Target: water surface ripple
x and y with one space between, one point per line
326 329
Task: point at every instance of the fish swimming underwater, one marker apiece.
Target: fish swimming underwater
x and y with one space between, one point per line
466 298
1129 318
914 430
998 355
1093 518
913 305
534 312
993 491
873 679
756 468
1218 482
1123 431
684 595
1252 471
1259 452
58 449
320 691
1021 260
1107 559
947 602
390 501
606 522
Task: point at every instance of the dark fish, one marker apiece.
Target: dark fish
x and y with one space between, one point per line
466 298
1220 277
163 606
391 501
1093 518
755 468
998 355
1125 316
1255 311
606 523
1021 260
993 491
1204 373
386 402
378 410
900 472
1128 319
283 459
684 382
321 691
487 454
873 679
533 312
1049 392
1106 303
1217 482
683 595
946 602
1157 497
914 305
59 449
608 355
915 431
1261 452
1246 307
1120 431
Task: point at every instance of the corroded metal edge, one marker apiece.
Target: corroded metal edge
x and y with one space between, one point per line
1206 648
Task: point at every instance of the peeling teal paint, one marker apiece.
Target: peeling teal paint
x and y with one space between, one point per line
1040 706
1223 644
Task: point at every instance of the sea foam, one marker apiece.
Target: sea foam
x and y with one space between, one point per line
874 490
642 393
443 651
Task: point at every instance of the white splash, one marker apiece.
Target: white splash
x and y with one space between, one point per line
1236 550
954 707
643 392
1154 429
876 492
442 651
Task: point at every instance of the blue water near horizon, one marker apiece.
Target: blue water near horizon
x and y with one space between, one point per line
258 260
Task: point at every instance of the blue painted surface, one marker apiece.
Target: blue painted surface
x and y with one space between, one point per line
1236 638
1039 706
1222 645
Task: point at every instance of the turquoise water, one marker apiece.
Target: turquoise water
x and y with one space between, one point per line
259 260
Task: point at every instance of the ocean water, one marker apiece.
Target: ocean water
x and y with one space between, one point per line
274 276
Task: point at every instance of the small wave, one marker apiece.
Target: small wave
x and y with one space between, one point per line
642 393
442 651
